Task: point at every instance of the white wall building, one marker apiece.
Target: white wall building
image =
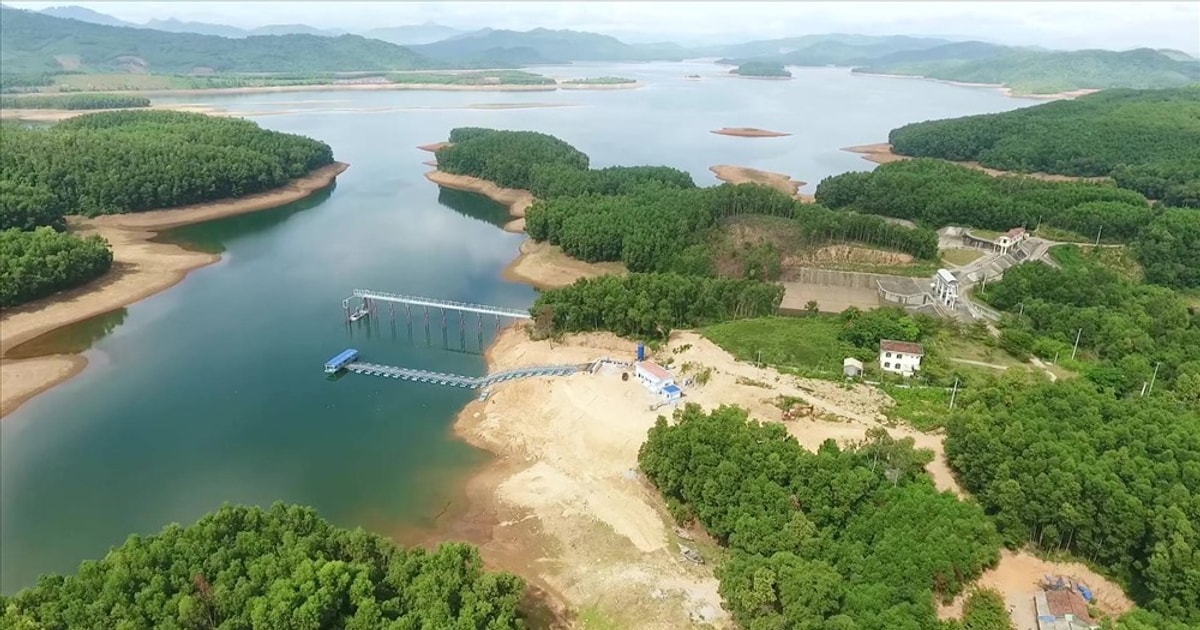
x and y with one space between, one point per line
900 357
657 379
945 287
1010 238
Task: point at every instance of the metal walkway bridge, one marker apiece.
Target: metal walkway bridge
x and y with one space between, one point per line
412 300
457 380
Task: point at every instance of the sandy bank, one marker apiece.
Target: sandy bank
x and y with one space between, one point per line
745 175
540 265
749 132
516 200
545 266
56 115
433 147
600 86
1002 88
881 153
141 267
341 87
563 504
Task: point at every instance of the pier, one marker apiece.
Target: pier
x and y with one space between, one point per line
368 296
458 380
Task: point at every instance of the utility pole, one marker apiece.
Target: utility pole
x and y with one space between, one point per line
1153 376
1076 348
953 394
1098 234
1022 313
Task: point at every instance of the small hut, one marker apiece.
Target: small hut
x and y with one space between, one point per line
852 368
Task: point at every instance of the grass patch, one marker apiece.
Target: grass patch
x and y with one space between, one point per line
960 257
1119 259
592 618
956 347
924 408
1057 234
802 342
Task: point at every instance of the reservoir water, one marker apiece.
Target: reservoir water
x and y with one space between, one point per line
212 391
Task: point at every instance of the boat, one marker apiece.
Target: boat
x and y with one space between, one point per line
359 314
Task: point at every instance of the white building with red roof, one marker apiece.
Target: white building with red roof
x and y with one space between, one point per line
900 357
657 379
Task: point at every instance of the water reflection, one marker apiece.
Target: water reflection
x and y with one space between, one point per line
475 206
71 339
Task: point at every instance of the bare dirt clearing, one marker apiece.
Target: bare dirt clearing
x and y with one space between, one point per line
1017 575
563 504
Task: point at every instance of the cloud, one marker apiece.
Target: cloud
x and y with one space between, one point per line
1116 25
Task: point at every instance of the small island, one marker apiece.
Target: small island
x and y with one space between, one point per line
599 83
762 70
749 132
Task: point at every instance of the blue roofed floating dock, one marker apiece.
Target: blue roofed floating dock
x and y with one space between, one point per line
344 358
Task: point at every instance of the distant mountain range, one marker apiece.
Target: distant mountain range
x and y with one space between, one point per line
545 46
75 38
35 43
403 35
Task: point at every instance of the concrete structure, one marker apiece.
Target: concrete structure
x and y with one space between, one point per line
900 357
852 368
1000 244
945 288
657 379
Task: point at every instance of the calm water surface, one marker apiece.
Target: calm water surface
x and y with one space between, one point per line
212 391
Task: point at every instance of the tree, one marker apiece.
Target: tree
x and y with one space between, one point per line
245 567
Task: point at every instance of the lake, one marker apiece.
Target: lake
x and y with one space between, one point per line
213 392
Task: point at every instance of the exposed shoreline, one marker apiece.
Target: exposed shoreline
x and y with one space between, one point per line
749 132
1000 87
745 175
881 153
540 265
141 267
369 87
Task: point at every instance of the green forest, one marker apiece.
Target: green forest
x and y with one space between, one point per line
770 69
1066 467
127 161
1126 327
854 537
1146 140
652 305
286 567
652 218
73 101
36 263
936 193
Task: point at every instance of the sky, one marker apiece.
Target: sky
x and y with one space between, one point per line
1061 25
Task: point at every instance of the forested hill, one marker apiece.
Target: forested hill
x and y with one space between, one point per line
244 567
32 43
1040 71
542 45
125 161
1147 140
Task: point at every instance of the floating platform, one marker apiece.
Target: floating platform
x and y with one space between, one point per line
343 359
